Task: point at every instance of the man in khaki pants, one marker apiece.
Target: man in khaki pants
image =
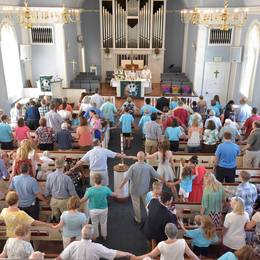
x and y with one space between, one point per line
153 134
139 175
60 187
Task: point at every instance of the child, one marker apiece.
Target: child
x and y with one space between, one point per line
64 138
75 121
44 172
173 134
127 121
194 106
186 182
202 106
202 237
95 123
145 118
155 193
45 158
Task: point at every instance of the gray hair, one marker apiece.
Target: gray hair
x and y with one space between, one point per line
171 230
87 232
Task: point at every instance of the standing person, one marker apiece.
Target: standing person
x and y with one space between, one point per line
147 106
194 137
162 102
98 205
243 112
53 119
44 108
197 184
210 137
145 118
127 121
139 175
226 159
130 105
172 248
15 114
214 107
173 134
229 111
212 199
97 99
28 191
97 158
85 249
251 158
202 237
21 131
71 222
228 127
247 191
84 105
17 247
60 187
6 136
64 113
153 226
32 116
13 216
234 226
248 125
215 119
244 253
153 134
84 135
182 113
202 106
109 110
44 136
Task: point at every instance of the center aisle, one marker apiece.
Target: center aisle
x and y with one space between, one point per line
123 233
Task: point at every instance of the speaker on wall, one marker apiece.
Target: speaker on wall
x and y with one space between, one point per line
25 52
236 54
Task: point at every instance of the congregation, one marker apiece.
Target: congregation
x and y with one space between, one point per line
226 218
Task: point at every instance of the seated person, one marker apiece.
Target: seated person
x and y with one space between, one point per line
153 227
64 138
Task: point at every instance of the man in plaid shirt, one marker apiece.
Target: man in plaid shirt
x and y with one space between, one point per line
43 109
247 191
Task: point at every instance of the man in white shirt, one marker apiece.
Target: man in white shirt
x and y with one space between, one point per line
88 250
243 112
54 120
15 114
65 114
146 73
213 118
97 158
97 99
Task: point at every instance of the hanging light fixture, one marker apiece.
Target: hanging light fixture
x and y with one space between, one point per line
222 19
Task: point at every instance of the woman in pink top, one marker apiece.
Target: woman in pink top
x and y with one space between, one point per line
84 135
21 132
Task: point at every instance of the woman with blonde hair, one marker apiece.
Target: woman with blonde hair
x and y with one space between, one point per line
203 236
194 136
26 154
234 226
244 253
71 222
212 199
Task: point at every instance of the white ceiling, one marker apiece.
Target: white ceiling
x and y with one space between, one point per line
177 3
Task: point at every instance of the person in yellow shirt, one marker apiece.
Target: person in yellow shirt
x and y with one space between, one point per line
13 216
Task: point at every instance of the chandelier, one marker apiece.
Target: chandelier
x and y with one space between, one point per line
29 16
222 19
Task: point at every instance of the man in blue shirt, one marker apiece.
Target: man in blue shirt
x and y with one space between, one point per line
226 159
127 121
32 116
28 191
149 107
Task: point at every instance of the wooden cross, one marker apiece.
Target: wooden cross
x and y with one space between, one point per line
216 73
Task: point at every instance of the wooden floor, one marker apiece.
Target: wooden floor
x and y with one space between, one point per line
107 90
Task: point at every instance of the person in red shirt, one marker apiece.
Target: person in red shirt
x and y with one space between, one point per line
197 184
181 113
248 125
68 106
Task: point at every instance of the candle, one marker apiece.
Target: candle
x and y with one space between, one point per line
122 143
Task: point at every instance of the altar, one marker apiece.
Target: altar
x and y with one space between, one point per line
133 88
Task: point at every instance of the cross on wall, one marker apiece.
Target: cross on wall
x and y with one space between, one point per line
216 73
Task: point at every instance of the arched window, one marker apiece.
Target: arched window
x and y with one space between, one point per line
11 62
250 60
